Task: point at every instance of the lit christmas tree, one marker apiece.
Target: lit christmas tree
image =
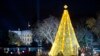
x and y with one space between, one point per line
66 43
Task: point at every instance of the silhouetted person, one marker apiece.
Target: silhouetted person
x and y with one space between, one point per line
60 54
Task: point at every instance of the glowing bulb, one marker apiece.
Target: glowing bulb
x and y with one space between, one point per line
23 51
11 52
65 6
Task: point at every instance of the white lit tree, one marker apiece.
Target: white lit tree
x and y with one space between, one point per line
46 29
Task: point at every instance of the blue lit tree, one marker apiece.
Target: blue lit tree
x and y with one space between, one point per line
85 37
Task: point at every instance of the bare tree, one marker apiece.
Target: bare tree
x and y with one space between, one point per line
46 29
94 25
90 22
84 36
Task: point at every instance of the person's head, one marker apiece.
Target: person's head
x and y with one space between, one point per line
60 53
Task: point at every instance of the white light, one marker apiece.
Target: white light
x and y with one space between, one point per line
23 51
95 52
65 6
11 52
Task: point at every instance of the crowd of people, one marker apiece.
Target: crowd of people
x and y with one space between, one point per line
23 53
85 51
16 53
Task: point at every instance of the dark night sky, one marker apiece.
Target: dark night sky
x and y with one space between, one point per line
16 13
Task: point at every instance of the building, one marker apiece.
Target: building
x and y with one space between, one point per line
18 37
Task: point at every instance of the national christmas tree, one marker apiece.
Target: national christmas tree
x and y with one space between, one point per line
66 43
